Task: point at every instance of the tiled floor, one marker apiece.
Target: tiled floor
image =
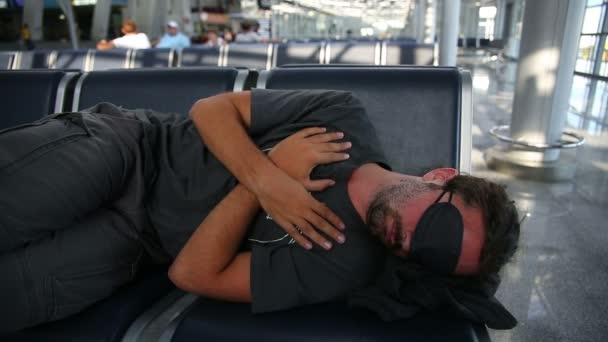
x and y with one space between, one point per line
557 285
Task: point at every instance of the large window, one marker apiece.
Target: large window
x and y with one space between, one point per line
592 57
589 98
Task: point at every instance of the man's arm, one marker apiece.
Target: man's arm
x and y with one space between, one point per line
222 121
209 264
105 45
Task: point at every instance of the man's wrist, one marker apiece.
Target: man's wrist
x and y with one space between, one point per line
261 170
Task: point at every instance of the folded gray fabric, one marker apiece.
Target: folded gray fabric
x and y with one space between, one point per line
404 288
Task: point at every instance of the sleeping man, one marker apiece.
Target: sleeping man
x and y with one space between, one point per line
277 198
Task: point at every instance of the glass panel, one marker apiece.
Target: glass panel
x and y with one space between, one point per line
579 93
573 120
604 61
591 23
586 54
598 109
593 2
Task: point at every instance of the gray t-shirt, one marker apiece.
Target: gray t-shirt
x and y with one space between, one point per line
190 181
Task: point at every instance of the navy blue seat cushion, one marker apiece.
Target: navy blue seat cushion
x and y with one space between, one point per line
415 110
164 90
108 319
71 59
353 53
27 96
212 320
153 58
36 59
6 60
295 53
248 55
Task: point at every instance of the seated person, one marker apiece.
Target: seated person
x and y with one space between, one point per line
212 39
131 39
247 33
91 196
173 38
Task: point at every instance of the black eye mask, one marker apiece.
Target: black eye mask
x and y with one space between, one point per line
437 241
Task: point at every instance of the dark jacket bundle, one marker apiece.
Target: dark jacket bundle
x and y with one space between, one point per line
404 288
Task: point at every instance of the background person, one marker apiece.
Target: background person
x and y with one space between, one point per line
213 39
26 37
247 33
173 38
131 39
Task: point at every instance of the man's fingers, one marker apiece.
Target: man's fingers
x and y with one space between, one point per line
336 147
318 184
327 214
306 132
311 232
322 225
326 137
330 157
293 231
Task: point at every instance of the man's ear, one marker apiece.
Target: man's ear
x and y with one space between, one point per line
440 176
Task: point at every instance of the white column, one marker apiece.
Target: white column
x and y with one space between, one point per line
499 21
448 40
32 16
430 17
512 47
131 9
420 20
186 17
150 16
549 46
66 7
474 25
101 20
179 10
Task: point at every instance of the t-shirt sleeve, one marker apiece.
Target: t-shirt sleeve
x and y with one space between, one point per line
120 42
272 108
276 114
288 276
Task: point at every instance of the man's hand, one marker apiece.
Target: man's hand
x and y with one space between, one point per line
299 153
226 117
293 208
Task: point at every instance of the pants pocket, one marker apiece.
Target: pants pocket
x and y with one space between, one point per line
22 144
71 293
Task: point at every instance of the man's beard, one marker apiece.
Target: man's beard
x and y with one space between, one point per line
388 202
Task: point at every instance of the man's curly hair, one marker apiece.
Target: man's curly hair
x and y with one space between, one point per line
500 218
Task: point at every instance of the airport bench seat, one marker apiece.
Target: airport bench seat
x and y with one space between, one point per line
28 95
422 116
156 89
212 320
106 320
165 90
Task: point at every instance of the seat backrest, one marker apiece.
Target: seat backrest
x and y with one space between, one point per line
36 59
199 56
6 60
299 53
352 53
422 114
153 58
28 95
164 90
70 59
249 55
407 53
110 59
